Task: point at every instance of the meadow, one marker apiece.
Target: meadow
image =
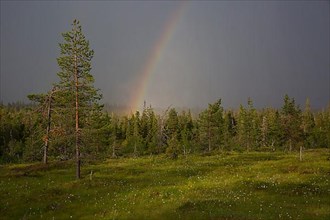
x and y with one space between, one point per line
231 185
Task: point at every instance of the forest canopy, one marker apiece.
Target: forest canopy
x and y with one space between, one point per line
107 134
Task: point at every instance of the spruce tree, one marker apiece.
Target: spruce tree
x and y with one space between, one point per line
185 131
248 131
290 122
229 126
270 130
211 126
172 124
308 125
136 132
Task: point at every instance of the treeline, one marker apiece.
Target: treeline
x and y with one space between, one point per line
23 132
68 122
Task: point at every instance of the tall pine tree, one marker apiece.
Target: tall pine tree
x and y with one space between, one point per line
78 97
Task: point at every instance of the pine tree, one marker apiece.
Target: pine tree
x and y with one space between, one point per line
78 97
45 104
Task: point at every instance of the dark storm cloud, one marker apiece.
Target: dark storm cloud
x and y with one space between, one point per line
228 50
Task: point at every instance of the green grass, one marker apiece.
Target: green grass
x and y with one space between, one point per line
227 186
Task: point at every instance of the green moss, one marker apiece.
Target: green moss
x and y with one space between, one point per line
253 185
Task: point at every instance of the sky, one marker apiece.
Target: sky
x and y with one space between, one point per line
169 53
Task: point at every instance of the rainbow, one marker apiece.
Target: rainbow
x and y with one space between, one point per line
138 97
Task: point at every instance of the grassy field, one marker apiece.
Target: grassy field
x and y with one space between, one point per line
226 186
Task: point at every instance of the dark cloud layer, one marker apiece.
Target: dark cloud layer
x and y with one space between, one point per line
219 49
